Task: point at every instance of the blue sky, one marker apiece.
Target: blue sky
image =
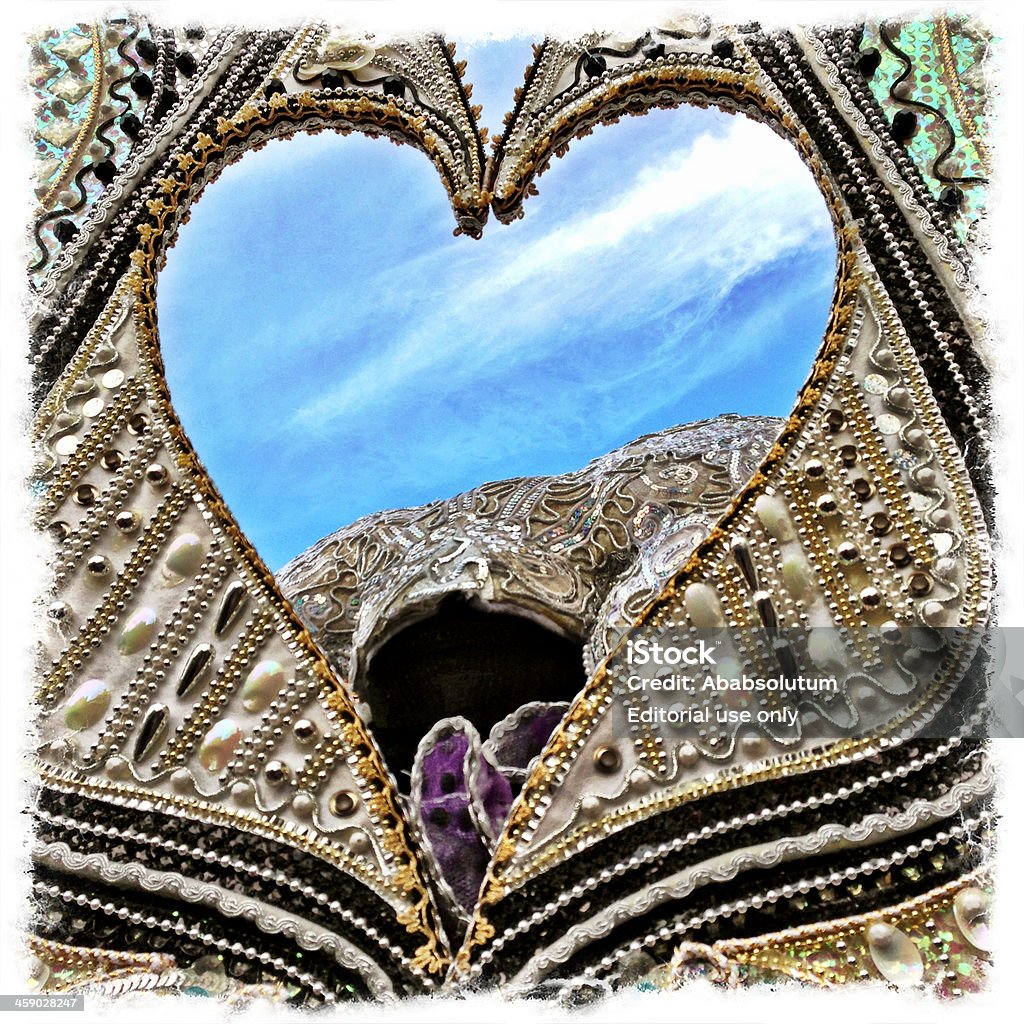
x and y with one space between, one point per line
332 350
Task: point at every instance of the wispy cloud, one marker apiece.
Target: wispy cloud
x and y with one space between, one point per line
502 305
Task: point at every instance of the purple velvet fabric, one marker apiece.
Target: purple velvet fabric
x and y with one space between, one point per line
459 850
517 748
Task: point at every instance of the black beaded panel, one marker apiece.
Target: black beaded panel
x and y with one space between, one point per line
259 851
886 796
78 923
918 872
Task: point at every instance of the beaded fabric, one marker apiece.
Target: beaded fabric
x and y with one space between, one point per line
216 812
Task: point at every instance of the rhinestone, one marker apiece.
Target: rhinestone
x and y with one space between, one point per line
848 455
198 662
127 521
899 555
73 46
112 459
607 759
305 731
343 803
86 494
230 605
138 423
744 559
153 727
156 474
98 565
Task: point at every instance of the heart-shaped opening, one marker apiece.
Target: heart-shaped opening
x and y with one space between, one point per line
333 352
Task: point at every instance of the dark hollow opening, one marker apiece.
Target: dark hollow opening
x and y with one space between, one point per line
464 661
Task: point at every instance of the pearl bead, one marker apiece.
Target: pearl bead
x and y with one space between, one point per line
219 745
262 685
138 631
774 517
971 911
303 805
702 606
185 555
87 705
894 954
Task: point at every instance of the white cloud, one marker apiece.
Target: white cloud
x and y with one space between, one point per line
735 202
